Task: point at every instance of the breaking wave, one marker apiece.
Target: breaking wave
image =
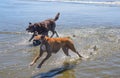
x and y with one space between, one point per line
108 2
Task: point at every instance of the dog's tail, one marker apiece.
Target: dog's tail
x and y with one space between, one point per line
57 16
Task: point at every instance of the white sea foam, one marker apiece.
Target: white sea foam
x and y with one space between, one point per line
117 3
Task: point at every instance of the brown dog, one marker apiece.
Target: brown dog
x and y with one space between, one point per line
53 45
43 27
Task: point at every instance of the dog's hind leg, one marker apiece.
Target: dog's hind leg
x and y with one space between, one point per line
56 34
53 32
74 50
65 50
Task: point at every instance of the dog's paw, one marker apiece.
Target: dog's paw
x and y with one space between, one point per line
29 40
31 63
39 66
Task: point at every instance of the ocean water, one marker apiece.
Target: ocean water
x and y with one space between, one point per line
94 28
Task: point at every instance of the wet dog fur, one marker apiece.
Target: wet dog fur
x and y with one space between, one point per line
53 45
43 27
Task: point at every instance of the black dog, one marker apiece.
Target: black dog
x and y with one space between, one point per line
43 27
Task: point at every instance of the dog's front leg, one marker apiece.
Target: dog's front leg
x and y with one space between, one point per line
37 57
31 37
47 57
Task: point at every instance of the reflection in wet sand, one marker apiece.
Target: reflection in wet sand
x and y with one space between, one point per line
65 71
67 74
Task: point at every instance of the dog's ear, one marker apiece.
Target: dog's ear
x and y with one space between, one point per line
30 23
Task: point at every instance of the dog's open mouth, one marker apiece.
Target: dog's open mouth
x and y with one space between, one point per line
28 30
36 42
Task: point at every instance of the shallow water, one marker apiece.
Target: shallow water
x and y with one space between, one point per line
94 29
